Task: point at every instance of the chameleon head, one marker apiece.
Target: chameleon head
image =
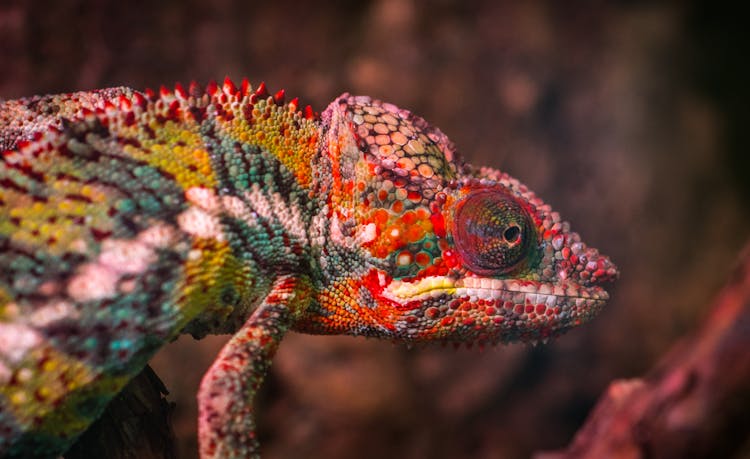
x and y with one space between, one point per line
435 249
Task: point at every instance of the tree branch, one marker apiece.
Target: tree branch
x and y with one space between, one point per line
694 403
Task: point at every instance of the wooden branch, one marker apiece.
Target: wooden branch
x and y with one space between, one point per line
694 403
136 424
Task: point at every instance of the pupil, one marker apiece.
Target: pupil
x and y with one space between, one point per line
512 234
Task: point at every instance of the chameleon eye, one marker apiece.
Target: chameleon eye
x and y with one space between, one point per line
492 232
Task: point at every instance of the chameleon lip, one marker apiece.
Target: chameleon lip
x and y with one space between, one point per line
593 294
490 289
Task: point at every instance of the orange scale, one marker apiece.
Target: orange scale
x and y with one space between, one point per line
409 217
422 258
389 119
388 248
414 196
380 217
414 233
399 138
405 163
382 139
426 225
394 233
381 128
423 214
385 150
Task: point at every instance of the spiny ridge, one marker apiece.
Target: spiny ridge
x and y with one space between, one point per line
180 103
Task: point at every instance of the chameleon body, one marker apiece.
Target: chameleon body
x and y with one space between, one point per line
128 218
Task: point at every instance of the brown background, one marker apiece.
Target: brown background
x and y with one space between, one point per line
629 118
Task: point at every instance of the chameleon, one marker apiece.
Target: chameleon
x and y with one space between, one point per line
128 218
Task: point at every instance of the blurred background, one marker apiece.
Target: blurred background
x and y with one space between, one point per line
629 118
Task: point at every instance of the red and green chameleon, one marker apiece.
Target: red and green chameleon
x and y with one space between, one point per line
128 218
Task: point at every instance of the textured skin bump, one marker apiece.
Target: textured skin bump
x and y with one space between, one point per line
128 218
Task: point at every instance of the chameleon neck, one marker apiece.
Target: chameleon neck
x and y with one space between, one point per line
262 199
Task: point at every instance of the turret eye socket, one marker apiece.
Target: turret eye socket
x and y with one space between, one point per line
493 232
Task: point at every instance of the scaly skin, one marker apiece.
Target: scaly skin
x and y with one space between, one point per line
128 218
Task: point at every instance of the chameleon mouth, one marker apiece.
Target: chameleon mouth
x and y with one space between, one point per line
485 288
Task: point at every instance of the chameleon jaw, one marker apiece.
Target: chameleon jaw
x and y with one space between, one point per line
488 310
484 288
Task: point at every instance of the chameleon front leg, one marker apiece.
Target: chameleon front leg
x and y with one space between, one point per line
226 425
